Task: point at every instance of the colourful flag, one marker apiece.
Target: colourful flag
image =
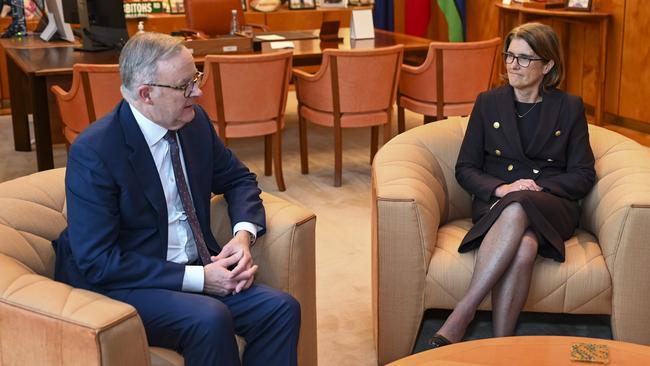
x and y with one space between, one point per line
450 9
417 14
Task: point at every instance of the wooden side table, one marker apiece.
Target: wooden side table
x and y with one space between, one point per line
525 351
601 19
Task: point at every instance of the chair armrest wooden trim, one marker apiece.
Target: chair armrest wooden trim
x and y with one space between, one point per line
59 324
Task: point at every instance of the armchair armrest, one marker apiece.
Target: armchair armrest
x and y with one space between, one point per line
407 201
286 256
413 193
617 211
315 90
44 322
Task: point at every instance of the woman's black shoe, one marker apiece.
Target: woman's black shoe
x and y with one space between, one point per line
438 341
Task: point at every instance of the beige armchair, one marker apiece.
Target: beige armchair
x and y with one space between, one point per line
420 214
44 322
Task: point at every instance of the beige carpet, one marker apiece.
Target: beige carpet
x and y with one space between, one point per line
342 231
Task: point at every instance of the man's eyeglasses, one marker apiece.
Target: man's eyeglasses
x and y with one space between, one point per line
522 60
186 88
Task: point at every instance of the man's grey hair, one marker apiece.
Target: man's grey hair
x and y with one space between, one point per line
139 60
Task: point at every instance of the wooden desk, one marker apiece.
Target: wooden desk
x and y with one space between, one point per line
601 19
35 66
524 351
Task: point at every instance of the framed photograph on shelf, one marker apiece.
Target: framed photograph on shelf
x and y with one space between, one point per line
302 4
333 3
578 5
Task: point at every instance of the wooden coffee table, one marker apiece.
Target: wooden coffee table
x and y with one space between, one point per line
525 350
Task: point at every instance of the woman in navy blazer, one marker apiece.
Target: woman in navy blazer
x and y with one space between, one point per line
527 161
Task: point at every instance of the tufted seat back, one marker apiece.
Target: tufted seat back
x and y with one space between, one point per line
421 214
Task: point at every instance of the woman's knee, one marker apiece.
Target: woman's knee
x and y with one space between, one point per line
527 251
513 210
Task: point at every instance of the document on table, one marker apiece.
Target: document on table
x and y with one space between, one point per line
281 44
269 37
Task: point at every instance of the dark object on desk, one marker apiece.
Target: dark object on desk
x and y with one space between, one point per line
329 31
220 44
102 22
544 4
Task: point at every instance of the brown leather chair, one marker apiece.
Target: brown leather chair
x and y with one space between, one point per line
44 322
449 80
95 92
352 89
209 18
420 214
246 96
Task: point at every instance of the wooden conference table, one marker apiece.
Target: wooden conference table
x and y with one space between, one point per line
34 66
525 351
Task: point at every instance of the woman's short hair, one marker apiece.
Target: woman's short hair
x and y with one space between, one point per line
544 42
139 59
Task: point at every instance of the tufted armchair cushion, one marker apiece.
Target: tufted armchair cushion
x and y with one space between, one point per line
421 214
44 322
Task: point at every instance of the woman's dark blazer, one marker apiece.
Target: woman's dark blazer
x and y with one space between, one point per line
559 159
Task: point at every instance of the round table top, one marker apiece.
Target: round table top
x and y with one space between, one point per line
524 350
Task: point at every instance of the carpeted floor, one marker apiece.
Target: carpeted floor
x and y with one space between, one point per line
345 335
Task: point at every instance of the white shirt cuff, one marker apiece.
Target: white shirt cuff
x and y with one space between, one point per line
193 279
247 226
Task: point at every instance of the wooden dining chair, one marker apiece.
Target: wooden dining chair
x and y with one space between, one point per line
246 96
95 91
449 80
352 89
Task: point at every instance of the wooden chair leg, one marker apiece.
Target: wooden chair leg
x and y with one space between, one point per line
401 123
338 156
388 131
277 160
268 144
304 161
374 141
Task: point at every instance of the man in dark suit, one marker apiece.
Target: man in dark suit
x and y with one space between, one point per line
138 186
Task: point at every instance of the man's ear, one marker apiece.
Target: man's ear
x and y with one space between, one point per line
144 94
548 66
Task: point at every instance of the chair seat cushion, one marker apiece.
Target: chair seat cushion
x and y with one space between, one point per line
430 109
580 285
348 120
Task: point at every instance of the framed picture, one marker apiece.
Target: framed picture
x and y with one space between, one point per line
244 5
579 5
302 4
333 3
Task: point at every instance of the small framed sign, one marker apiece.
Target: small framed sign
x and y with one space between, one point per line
302 4
579 5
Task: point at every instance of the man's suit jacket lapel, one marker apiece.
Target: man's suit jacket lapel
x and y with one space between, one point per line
144 168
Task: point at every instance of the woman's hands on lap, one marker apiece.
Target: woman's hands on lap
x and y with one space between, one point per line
518 185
